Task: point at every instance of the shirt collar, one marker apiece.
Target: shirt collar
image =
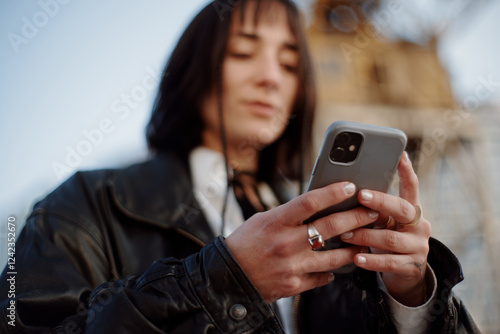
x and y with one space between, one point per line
209 175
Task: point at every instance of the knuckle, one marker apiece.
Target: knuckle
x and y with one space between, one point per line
359 217
390 263
309 203
364 238
427 227
294 268
282 247
312 263
333 225
381 200
291 284
333 192
392 240
424 248
334 262
406 209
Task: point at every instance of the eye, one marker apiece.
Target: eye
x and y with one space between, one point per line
289 68
240 55
289 60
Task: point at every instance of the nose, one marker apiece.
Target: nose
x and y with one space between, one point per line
268 73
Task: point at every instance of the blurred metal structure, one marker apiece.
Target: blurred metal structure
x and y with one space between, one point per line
365 77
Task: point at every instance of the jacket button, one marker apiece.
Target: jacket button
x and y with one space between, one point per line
237 312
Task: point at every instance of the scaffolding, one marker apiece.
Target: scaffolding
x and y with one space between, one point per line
364 77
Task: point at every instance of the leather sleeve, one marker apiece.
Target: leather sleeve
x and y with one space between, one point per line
67 280
448 313
56 274
196 295
459 319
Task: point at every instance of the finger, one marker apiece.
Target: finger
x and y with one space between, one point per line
400 209
296 239
340 222
330 260
291 285
403 265
408 180
304 206
312 270
309 281
388 240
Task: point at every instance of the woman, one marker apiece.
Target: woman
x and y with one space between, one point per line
134 250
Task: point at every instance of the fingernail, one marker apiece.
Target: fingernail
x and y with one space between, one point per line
373 214
361 259
331 277
366 195
405 156
347 235
349 188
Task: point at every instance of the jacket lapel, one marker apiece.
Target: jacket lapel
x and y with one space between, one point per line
159 192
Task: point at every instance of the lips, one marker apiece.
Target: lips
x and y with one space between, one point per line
262 108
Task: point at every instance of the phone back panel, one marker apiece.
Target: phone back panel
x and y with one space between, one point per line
373 168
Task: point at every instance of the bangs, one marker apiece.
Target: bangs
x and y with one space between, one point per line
264 10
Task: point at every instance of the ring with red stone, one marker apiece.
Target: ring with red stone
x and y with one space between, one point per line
315 239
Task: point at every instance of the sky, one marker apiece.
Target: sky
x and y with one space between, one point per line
77 82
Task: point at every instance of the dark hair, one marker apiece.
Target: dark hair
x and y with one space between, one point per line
195 67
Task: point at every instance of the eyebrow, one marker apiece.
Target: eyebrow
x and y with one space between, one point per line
254 37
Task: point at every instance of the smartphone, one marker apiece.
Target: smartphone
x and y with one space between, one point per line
367 155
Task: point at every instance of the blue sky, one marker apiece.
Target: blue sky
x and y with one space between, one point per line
76 82
85 66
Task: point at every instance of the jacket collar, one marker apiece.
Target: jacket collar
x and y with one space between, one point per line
159 192
445 264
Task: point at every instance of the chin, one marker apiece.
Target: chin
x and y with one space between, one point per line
263 135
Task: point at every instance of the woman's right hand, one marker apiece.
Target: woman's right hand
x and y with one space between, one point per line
272 247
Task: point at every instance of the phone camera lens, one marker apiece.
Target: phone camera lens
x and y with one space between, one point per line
345 147
343 139
337 154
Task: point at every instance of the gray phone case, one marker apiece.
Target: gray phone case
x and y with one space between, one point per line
373 168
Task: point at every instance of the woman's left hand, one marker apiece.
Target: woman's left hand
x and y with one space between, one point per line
400 253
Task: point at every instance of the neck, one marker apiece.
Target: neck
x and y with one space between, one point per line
245 159
241 157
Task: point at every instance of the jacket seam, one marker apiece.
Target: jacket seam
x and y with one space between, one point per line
155 277
94 234
234 266
245 282
200 302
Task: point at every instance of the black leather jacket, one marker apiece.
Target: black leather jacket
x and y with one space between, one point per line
129 251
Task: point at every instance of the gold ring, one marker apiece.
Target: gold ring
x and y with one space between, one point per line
417 217
389 221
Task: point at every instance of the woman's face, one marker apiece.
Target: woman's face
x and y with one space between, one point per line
259 82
